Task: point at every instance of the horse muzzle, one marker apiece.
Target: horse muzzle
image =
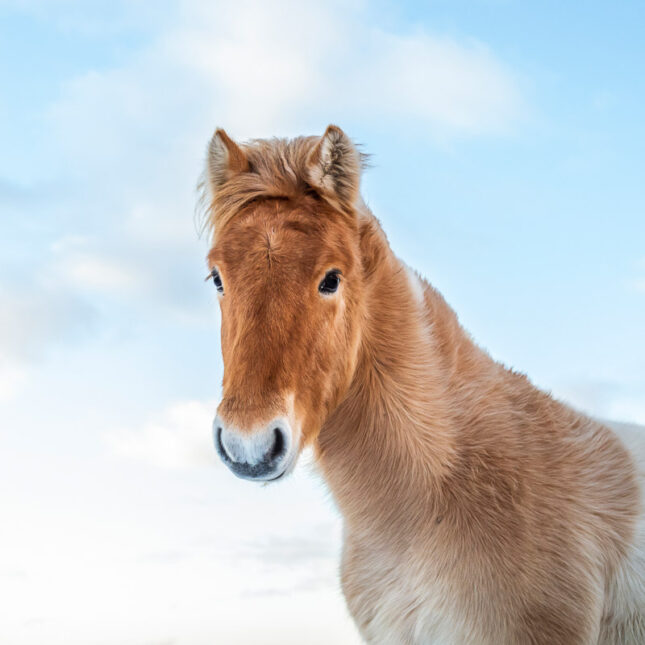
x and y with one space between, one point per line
258 455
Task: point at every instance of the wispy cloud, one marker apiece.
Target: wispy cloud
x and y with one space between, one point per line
443 85
318 544
178 438
301 562
13 376
78 262
36 314
267 68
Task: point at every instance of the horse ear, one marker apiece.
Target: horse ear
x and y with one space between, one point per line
334 167
225 159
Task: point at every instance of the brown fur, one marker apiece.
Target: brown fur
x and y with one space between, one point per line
477 508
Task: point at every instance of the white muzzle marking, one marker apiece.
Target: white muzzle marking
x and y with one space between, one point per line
262 455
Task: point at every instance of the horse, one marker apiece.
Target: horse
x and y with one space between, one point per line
477 509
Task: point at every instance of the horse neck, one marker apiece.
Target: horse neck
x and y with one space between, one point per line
390 443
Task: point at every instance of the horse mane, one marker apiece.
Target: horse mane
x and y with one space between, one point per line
278 169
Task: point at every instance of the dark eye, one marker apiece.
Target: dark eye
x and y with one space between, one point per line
217 281
330 282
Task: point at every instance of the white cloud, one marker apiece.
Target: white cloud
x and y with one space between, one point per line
179 438
36 314
12 378
99 273
266 68
148 276
441 83
268 71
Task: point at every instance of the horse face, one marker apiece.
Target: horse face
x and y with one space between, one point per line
289 281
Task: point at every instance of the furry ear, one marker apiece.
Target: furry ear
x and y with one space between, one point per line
225 159
334 168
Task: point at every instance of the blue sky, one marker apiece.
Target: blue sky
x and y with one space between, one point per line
507 144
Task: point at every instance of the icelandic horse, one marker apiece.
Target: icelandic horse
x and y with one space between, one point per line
477 509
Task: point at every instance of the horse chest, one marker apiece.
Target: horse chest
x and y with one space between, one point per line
397 598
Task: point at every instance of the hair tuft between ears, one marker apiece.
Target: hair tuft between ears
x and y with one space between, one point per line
236 175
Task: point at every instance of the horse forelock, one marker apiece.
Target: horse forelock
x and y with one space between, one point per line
277 169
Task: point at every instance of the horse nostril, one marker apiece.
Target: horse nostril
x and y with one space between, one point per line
278 444
219 444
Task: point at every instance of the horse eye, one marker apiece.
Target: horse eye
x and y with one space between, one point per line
330 282
217 281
